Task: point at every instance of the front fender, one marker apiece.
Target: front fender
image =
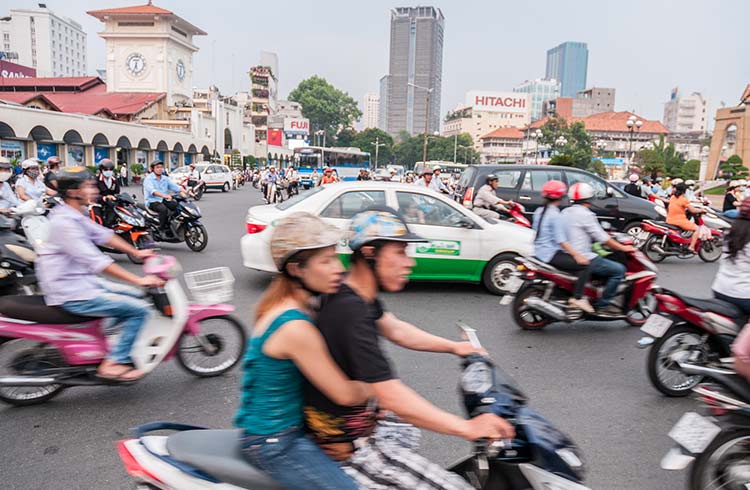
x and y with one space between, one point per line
198 312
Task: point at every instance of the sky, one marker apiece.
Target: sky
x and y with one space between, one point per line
642 48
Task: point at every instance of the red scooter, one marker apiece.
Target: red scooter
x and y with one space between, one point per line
692 330
516 214
544 291
666 240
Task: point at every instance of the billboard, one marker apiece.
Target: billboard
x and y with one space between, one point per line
498 101
274 137
296 125
13 70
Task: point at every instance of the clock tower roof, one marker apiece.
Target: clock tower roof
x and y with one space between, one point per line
144 10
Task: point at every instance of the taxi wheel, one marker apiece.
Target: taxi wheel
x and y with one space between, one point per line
497 273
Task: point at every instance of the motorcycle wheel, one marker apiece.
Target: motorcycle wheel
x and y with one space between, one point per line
24 357
677 344
653 255
140 244
724 463
524 317
710 250
643 309
196 237
199 193
217 349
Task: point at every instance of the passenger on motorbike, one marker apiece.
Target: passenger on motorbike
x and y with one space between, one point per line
551 245
732 282
633 188
108 187
437 184
193 176
352 321
29 185
582 229
156 193
731 203
270 182
50 177
70 261
328 177
8 198
486 203
286 348
677 211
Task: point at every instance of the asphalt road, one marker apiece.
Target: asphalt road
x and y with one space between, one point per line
589 379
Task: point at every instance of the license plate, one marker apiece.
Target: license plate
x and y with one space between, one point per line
694 432
642 235
513 285
506 300
656 325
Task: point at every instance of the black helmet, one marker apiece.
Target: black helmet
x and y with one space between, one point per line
490 178
72 178
106 164
155 163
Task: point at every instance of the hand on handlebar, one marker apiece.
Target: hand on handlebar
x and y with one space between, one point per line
488 426
581 260
150 282
463 349
145 253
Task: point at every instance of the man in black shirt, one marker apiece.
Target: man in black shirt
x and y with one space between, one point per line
352 322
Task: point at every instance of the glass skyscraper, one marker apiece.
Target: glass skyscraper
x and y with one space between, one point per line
568 63
540 91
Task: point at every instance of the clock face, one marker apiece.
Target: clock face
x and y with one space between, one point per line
180 70
136 64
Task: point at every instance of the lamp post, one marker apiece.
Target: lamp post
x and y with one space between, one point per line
536 135
634 124
378 144
704 163
426 118
561 141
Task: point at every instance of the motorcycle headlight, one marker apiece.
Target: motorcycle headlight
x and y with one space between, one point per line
661 210
477 378
195 211
573 459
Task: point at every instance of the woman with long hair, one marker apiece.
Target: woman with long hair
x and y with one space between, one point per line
732 282
551 246
677 211
286 348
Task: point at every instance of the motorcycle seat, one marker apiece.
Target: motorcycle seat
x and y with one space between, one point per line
217 453
34 309
715 305
549 268
664 224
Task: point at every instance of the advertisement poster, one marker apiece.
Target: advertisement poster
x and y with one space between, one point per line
274 137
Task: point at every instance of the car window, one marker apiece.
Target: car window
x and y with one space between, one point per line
225 169
419 209
298 198
466 178
507 179
600 188
535 179
350 203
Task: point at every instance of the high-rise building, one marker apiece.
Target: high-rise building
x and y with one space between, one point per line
568 63
540 91
686 113
55 46
415 70
371 112
383 103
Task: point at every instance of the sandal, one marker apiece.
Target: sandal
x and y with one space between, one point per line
122 374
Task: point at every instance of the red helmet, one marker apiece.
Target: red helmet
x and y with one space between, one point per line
580 191
554 190
327 170
745 208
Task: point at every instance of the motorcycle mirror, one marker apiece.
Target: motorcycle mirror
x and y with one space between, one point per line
469 334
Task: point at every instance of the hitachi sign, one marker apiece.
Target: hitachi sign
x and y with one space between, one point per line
498 101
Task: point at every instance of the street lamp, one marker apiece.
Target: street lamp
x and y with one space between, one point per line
633 124
426 118
319 133
536 135
378 144
561 141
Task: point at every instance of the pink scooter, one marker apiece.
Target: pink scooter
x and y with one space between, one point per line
44 349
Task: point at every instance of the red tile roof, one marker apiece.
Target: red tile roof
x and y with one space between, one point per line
81 83
609 121
148 9
507 133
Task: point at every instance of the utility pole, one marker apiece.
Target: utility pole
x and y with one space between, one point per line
426 125
377 149
455 146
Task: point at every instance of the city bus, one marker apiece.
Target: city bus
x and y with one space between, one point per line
346 161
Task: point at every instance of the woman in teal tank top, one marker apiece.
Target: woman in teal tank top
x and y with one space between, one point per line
285 348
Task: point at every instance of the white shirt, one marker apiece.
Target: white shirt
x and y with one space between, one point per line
583 229
7 198
34 189
437 184
733 277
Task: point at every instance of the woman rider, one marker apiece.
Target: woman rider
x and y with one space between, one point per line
285 348
108 187
729 207
677 211
551 246
732 282
29 186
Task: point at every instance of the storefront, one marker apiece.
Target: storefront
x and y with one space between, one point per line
13 150
76 155
141 157
100 154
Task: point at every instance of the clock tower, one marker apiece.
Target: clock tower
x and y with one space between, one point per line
149 49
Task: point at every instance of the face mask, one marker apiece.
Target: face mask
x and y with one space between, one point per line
32 173
4 176
107 173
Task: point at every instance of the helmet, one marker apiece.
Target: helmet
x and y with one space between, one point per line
300 231
327 170
379 224
633 178
54 160
106 164
580 191
437 169
745 208
72 178
646 179
689 182
30 162
659 179
490 178
426 171
155 163
677 181
733 184
554 190
741 182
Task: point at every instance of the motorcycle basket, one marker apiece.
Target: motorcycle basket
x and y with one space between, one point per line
211 286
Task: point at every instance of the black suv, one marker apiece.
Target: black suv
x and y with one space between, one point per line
523 184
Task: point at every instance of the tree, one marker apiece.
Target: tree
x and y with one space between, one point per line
691 170
410 149
327 107
345 137
365 141
661 158
733 168
598 168
577 150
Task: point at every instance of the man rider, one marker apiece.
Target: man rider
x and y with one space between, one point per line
633 188
271 178
487 201
50 178
363 174
437 184
69 262
426 178
156 193
193 176
352 322
582 230
8 198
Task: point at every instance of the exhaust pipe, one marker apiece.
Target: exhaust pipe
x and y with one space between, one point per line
546 308
26 381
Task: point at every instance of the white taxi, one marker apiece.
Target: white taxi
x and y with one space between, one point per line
462 246
215 176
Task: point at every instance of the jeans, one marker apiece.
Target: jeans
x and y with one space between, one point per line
564 261
732 213
615 271
741 303
124 306
293 460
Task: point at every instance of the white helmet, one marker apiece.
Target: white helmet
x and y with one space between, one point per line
677 181
633 177
741 182
580 191
689 182
29 162
734 183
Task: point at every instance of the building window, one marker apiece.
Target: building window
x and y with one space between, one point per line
6 36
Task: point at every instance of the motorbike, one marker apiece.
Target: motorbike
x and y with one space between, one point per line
195 188
184 225
661 240
128 222
17 259
45 349
539 292
540 457
276 192
684 329
714 443
516 214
